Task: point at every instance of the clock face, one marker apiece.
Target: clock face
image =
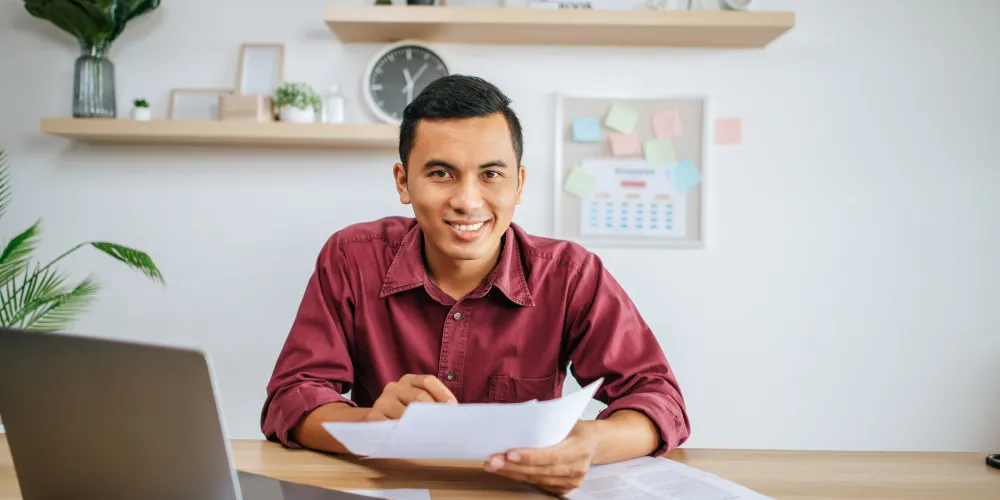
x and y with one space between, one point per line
399 75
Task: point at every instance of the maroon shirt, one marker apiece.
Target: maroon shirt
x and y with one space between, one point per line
370 315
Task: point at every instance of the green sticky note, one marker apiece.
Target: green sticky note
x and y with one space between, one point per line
659 151
621 118
580 183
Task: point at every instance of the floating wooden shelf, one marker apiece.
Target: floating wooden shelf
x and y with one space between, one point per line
224 133
497 25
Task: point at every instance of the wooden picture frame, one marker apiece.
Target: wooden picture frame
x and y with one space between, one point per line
195 104
261 68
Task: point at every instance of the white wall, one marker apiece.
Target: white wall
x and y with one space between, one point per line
850 294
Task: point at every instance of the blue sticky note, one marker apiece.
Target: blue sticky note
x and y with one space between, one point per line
587 129
685 175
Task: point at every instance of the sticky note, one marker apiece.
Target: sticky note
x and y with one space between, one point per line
667 124
622 118
625 144
659 151
579 183
685 175
728 131
587 129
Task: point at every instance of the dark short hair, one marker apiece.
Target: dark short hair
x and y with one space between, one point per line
457 96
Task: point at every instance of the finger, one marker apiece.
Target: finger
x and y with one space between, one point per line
561 453
434 386
560 485
390 406
407 395
563 470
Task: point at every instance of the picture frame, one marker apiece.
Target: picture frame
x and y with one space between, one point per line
195 104
261 68
583 219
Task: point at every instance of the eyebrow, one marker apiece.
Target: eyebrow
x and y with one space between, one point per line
441 163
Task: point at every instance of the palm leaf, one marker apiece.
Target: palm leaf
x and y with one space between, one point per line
129 10
37 289
4 183
62 309
135 259
16 255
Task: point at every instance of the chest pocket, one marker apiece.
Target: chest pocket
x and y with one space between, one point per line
507 389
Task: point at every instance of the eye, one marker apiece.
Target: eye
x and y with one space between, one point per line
492 174
438 173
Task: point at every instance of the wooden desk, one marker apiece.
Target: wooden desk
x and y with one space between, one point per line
780 474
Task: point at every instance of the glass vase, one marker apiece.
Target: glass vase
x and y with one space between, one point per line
94 83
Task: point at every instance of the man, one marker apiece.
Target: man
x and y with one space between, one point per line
459 305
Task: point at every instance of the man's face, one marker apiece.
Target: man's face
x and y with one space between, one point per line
463 182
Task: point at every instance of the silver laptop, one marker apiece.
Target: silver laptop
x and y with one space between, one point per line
106 419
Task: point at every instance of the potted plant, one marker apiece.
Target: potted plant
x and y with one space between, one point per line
37 297
95 24
140 110
296 102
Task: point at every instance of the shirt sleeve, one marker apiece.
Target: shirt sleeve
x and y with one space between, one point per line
314 366
608 338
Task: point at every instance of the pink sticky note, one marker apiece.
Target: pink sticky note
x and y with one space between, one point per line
625 144
728 131
667 124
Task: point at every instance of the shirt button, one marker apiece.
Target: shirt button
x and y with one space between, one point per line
457 316
450 376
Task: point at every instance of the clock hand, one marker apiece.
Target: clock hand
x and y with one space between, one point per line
419 72
406 76
409 93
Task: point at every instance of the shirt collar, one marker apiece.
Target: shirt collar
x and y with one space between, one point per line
407 270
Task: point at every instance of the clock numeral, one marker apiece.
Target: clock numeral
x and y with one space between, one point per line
409 54
427 56
380 102
378 71
376 86
391 57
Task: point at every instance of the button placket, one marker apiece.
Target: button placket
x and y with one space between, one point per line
448 368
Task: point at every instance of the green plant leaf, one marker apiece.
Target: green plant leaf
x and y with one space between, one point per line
129 10
16 255
36 290
135 259
70 16
4 183
62 309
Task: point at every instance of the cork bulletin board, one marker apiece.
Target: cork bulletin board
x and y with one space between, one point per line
631 172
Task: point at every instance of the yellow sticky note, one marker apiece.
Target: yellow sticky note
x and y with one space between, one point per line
579 183
659 151
622 118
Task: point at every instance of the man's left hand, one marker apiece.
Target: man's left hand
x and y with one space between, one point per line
558 469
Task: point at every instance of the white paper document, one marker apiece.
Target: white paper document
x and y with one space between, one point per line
632 198
465 431
397 494
650 478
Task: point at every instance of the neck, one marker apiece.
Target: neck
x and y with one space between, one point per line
459 277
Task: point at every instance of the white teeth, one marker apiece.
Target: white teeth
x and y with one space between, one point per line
467 227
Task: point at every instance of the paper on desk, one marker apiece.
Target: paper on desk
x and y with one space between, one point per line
650 478
396 494
465 431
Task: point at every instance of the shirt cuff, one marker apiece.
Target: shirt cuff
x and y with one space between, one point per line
673 428
286 411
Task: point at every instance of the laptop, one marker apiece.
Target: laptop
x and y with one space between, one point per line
108 419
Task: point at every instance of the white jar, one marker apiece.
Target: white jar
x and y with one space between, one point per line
333 106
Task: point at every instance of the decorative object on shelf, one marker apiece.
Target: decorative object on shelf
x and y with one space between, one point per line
261 68
256 108
140 110
35 296
397 74
419 2
195 104
735 4
95 24
333 106
383 2
297 102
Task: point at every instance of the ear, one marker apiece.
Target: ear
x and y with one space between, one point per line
399 172
520 183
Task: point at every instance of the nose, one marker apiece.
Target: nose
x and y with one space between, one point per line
467 197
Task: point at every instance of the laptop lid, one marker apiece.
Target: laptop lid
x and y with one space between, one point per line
99 418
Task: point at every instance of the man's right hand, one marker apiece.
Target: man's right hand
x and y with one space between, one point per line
398 395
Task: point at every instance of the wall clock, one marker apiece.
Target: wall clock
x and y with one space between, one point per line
736 4
397 74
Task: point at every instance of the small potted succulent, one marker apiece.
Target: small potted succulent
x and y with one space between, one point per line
140 110
296 103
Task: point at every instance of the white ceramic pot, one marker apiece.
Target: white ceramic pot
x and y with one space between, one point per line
292 114
141 114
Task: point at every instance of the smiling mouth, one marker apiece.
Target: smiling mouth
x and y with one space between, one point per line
470 231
